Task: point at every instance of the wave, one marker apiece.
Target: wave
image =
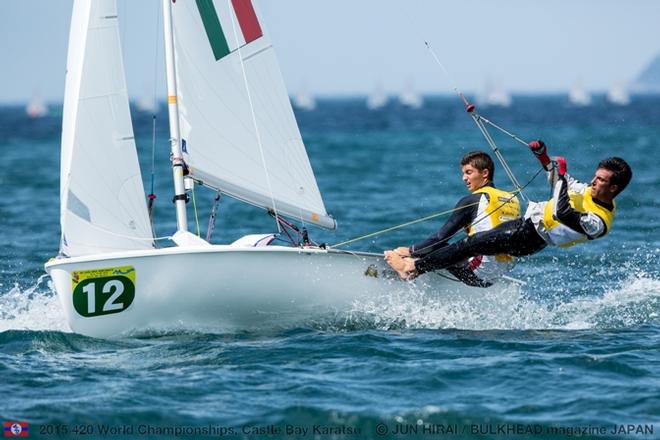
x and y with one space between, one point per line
33 308
633 301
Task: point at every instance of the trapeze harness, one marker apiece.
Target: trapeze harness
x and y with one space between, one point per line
572 216
483 210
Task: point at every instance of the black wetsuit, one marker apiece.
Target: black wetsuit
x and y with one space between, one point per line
465 212
516 237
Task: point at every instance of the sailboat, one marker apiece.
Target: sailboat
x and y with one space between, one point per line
578 96
377 99
36 108
232 129
146 104
494 95
618 94
304 100
410 98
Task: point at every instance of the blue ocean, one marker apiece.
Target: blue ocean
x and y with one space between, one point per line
575 354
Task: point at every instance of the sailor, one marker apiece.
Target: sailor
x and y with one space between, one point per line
482 210
576 213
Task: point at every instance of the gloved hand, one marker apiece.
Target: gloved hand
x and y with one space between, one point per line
561 165
541 152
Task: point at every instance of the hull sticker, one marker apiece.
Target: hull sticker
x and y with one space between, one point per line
99 292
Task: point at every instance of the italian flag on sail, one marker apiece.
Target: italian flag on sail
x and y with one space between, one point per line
219 19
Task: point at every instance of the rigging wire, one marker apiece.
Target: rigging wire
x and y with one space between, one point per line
439 214
254 116
195 208
152 195
485 215
213 215
478 120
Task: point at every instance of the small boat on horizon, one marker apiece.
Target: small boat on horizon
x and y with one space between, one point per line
578 96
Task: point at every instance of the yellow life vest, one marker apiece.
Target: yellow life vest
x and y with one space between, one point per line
502 206
564 236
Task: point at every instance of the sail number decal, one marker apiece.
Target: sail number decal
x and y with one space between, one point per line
103 291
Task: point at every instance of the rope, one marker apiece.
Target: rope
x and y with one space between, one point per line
439 214
403 225
488 214
195 209
254 117
152 196
478 120
513 136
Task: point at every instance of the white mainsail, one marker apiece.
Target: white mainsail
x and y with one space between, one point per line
103 205
238 130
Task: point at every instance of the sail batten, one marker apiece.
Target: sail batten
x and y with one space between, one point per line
237 126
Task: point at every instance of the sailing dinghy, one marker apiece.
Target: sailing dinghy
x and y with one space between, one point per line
233 129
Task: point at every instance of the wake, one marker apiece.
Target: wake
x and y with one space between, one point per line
632 302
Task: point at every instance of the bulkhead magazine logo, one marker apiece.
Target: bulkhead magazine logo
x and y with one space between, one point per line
16 429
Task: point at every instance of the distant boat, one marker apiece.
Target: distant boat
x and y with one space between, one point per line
410 98
618 94
36 108
147 105
377 99
494 95
304 100
578 96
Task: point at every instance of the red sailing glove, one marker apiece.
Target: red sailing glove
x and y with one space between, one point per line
541 152
561 165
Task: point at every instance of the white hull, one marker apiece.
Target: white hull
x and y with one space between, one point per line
228 288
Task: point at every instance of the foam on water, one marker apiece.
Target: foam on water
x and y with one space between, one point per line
33 308
632 302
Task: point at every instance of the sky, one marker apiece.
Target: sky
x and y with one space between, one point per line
351 47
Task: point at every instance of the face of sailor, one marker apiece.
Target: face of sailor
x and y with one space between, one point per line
473 178
601 188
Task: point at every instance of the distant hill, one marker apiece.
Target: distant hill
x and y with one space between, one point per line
649 80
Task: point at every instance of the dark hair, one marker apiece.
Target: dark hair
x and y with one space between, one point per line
621 172
481 161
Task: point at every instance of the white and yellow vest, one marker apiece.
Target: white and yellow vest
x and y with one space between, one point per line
501 206
563 236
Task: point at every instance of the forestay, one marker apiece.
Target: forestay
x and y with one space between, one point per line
103 205
238 130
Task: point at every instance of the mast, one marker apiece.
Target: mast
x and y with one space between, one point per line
173 110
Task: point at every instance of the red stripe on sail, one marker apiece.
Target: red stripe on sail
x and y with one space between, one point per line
247 19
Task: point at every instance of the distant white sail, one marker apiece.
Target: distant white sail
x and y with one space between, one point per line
618 95
578 95
36 107
304 100
103 205
377 99
238 130
410 98
147 104
494 95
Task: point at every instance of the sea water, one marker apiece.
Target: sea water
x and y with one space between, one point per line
574 353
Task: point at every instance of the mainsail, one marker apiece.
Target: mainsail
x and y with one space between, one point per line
238 130
103 205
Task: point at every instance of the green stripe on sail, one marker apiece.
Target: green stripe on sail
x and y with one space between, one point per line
213 28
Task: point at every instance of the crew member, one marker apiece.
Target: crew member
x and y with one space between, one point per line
484 209
576 213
